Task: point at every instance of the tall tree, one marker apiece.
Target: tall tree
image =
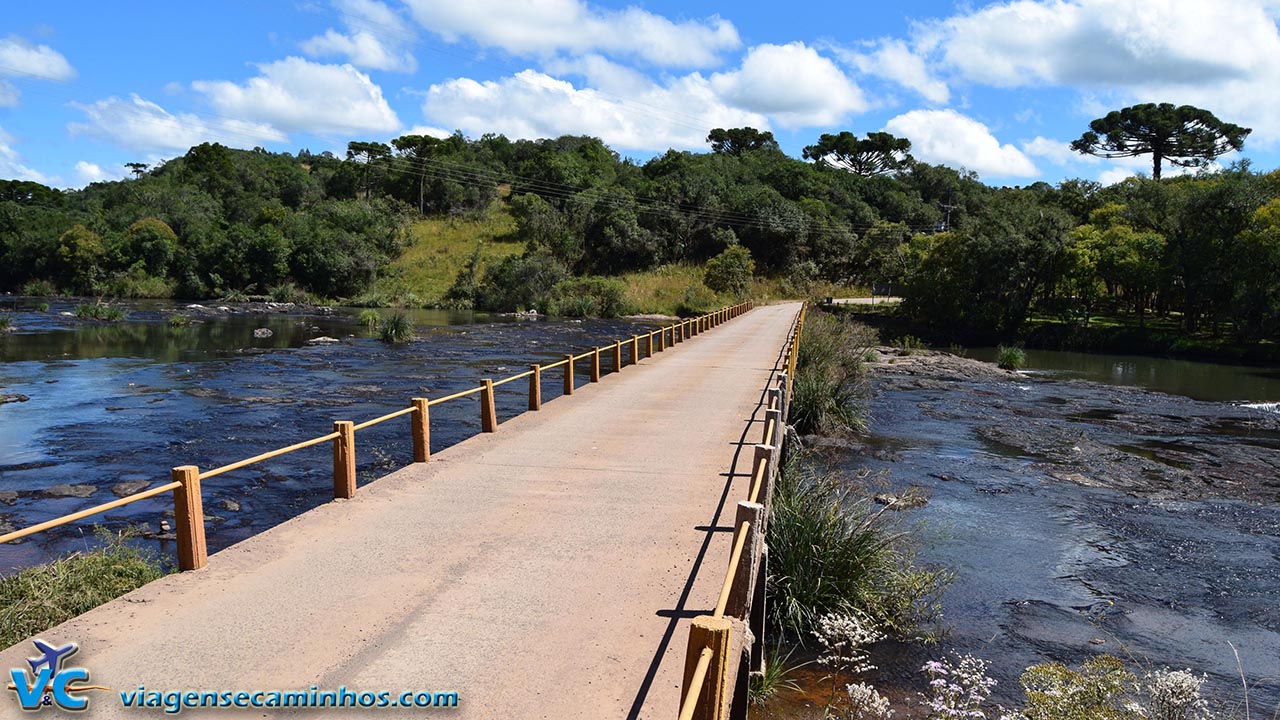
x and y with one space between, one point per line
1185 135
418 149
878 154
736 141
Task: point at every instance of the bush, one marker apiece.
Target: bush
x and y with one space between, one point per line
37 598
1011 358
910 344
291 293
38 288
696 300
1098 690
730 271
369 318
513 283
832 553
396 329
179 320
101 311
587 297
828 391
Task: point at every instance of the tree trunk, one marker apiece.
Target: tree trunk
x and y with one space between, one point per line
1156 159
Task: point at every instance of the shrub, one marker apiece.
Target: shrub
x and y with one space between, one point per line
396 329
512 283
832 553
587 297
828 391
1011 358
910 344
369 318
959 689
38 288
101 311
37 598
179 320
291 293
696 300
1097 690
730 271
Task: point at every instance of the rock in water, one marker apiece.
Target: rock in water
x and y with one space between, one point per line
129 487
65 490
323 340
262 333
12 397
229 505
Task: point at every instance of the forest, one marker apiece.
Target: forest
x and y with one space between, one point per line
1199 252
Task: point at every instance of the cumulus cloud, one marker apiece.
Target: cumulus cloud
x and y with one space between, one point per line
531 104
547 27
377 38
19 58
11 165
296 94
791 84
141 125
1223 55
946 137
87 172
894 60
1056 151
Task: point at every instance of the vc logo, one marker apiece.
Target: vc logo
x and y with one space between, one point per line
49 684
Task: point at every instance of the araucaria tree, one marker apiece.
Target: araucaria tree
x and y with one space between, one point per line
878 154
1184 135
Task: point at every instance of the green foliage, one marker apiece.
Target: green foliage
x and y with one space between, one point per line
910 345
153 243
735 141
38 288
696 300
81 254
829 389
101 311
396 329
6 322
1184 135
37 598
832 552
514 283
179 320
290 293
880 153
730 271
587 297
775 678
1010 357
1098 690
369 318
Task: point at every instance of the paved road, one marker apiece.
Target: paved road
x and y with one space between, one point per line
548 570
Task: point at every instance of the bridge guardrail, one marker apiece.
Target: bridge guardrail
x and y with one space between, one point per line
186 480
707 692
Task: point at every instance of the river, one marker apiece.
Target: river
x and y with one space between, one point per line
1091 504
113 403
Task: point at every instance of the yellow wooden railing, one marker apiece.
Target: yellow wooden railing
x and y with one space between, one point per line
705 694
186 479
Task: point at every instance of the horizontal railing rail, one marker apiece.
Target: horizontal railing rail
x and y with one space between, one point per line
185 483
705 695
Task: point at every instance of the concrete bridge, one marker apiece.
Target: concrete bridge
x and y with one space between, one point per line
550 568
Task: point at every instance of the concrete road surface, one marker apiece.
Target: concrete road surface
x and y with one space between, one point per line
548 570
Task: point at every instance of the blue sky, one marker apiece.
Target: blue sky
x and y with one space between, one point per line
997 88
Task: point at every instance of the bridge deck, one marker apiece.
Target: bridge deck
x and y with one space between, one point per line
545 571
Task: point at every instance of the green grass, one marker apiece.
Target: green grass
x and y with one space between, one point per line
369 318
439 248
37 598
179 320
775 678
101 311
829 389
6 322
396 329
1011 358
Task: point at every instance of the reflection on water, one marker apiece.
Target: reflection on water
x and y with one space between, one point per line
123 403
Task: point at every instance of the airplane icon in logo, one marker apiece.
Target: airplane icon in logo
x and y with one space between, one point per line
53 657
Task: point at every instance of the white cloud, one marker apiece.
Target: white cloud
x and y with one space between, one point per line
141 125
428 131
8 94
546 27
1223 55
893 60
296 94
377 38
946 137
792 84
19 57
87 172
1115 175
1056 152
535 105
11 166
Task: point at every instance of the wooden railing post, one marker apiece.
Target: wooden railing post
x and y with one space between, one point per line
635 349
765 453
744 581
188 516
648 350
776 416
662 339
421 430
568 374
782 391
535 387
488 412
709 632
344 459
595 365
617 356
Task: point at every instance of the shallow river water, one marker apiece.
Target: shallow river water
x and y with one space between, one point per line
1083 517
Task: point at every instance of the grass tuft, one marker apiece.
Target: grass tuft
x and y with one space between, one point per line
369 318
829 389
396 329
1011 358
101 311
37 598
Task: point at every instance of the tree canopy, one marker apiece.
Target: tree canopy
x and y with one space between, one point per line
736 141
878 154
1185 135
